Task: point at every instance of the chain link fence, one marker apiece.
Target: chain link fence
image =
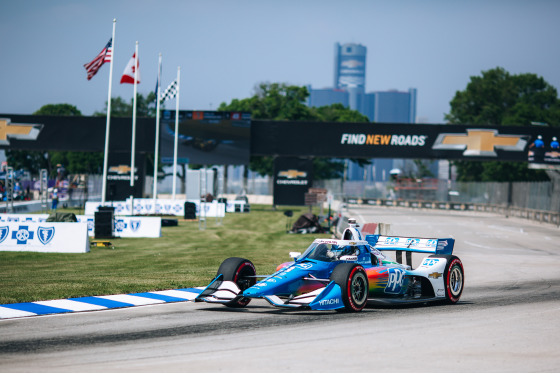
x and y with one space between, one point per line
543 196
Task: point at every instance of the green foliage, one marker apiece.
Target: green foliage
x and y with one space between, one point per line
497 171
337 113
32 161
58 110
499 98
79 162
279 101
145 107
423 169
274 101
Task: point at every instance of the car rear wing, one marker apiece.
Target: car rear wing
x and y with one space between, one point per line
405 244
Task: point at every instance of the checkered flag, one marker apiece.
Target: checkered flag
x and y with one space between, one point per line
170 92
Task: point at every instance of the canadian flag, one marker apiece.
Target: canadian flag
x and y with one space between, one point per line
128 75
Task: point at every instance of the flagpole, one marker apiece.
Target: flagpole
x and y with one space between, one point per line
176 132
156 152
133 146
108 126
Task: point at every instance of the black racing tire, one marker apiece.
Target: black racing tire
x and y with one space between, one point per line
237 270
454 278
353 281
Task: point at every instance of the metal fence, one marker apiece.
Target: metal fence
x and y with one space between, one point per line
542 196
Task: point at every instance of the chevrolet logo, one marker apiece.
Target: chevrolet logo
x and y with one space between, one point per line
480 142
434 275
292 174
21 131
121 169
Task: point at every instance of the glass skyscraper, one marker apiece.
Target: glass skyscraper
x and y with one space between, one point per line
350 72
349 89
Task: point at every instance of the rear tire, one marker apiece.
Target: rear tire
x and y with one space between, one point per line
454 278
353 281
237 270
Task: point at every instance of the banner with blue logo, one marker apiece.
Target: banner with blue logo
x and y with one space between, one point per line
124 227
168 207
128 227
55 237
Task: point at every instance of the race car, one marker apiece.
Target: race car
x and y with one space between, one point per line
345 275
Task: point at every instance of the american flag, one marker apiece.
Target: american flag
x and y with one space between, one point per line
104 56
170 92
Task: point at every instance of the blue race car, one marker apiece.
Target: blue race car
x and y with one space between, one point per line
345 275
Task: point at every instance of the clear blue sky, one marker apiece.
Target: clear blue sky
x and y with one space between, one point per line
226 47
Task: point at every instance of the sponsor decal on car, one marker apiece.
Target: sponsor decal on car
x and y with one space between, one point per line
329 302
410 242
391 241
431 243
395 280
428 262
435 275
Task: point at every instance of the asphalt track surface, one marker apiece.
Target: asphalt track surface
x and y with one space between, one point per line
508 319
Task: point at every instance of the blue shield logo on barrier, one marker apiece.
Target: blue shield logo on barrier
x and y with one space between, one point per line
134 225
45 234
4 230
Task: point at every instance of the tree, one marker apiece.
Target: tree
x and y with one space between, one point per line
279 101
499 98
145 107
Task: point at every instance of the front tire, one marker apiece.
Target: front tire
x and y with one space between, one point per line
454 278
353 281
241 272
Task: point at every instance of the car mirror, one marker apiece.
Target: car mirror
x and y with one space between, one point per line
295 255
349 258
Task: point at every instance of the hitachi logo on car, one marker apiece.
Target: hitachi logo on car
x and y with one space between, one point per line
377 139
329 302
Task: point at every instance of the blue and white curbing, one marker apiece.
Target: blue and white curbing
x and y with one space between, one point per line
93 303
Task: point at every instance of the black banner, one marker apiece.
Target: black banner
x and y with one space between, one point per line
292 179
211 138
119 173
73 133
390 140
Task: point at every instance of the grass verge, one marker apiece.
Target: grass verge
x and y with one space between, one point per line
183 257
